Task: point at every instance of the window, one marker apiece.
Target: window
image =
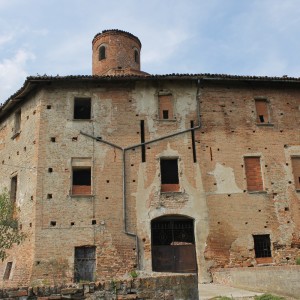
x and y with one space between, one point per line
13 192
169 175
7 270
296 171
165 107
81 176
253 174
17 122
82 108
136 56
262 247
262 111
102 52
85 264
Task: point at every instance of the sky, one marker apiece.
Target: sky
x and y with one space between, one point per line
236 37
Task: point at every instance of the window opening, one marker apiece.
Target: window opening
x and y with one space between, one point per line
262 245
296 171
81 181
253 174
85 264
102 52
136 56
7 270
262 111
17 121
165 114
142 127
165 107
169 175
82 108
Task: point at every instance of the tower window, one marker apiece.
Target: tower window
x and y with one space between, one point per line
82 108
136 56
7 270
169 175
102 53
17 121
81 176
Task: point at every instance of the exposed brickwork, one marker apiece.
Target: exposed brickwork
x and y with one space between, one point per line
115 212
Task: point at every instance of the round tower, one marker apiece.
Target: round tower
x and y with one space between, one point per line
116 52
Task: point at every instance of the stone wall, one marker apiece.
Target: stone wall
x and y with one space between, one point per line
281 280
183 287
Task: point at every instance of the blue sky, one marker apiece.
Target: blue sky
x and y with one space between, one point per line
237 37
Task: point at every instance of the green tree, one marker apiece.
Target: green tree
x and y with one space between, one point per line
9 229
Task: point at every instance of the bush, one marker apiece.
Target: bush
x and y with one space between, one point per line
298 261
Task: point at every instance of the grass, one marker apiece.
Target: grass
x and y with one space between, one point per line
268 297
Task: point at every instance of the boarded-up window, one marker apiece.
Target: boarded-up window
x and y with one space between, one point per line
262 248
165 107
81 176
85 263
82 108
7 272
253 174
17 121
169 175
102 53
262 111
296 171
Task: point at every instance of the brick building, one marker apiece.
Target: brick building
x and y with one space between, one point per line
123 170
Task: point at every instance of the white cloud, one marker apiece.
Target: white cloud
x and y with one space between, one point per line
13 73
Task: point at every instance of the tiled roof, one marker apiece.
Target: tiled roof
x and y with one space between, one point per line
32 81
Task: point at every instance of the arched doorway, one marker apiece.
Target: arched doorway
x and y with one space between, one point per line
173 244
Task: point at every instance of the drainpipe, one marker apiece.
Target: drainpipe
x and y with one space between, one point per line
139 145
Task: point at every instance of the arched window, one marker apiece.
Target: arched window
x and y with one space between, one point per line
136 56
102 53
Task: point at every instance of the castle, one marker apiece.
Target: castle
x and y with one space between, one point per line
123 170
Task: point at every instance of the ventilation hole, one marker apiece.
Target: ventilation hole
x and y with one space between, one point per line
228 195
288 222
53 223
133 149
34 112
94 222
53 139
219 222
148 148
17 152
107 181
31 198
74 138
281 130
30 224
99 138
286 209
106 198
137 132
246 223
259 210
48 106
2 162
49 196
21 226
27 117
265 226
266 166
50 170
132 165
33 142
133 180
37 262
24 148
290 182
286 164
253 131
72 223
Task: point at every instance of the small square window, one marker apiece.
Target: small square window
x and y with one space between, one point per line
82 108
169 175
